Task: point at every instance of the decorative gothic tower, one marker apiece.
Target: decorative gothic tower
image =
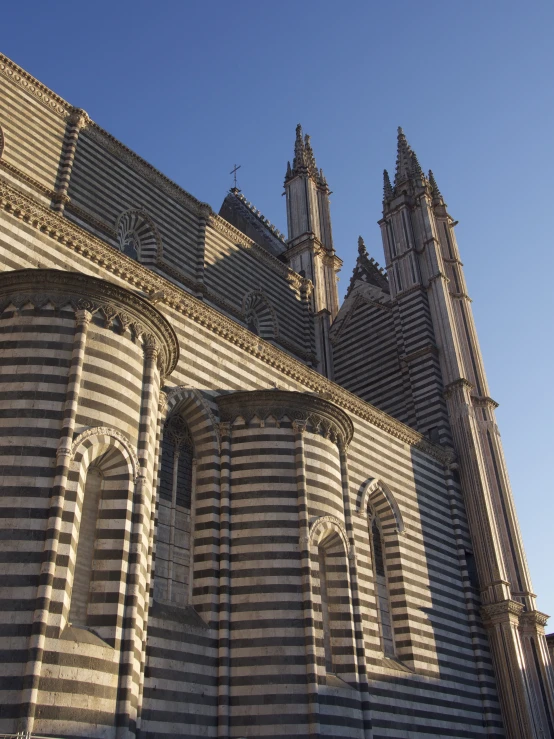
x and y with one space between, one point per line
451 398
310 243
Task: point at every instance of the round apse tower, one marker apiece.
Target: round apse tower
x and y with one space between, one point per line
289 624
81 363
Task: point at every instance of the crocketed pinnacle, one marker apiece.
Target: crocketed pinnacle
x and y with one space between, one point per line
387 187
435 192
304 160
407 163
299 161
362 251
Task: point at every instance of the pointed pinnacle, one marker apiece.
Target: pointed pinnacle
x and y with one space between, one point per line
435 192
416 166
310 158
407 164
362 251
299 150
387 187
403 158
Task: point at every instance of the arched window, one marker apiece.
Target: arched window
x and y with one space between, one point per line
259 315
174 540
1 141
333 592
382 591
82 576
138 237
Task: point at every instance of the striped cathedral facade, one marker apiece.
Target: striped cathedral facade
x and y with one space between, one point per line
231 507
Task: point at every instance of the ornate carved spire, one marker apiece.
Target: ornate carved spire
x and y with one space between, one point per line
407 163
304 160
362 251
416 166
310 158
435 192
299 161
387 187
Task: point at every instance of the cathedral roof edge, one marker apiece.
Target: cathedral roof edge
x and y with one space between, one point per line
75 238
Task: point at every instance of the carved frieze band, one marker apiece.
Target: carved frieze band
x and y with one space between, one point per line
317 415
39 287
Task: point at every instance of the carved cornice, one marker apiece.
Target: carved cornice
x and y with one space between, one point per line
533 618
41 286
22 78
54 226
506 610
320 416
16 172
457 385
484 401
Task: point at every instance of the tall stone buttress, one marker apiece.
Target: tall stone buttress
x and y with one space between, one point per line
310 241
440 350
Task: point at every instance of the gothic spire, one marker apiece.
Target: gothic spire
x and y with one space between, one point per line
435 192
299 161
407 163
387 187
310 158
362 251
403 159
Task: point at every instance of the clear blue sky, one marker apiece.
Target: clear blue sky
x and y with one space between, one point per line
196 87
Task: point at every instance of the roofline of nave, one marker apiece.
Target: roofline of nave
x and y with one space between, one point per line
47 222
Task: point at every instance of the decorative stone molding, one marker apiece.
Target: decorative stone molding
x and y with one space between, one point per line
22 78
505 611
322 526
42 286
175 397
16 172
368 490
256 303
320 416
76 239
137 223
457 385
484 402
105 431
533 618
79 118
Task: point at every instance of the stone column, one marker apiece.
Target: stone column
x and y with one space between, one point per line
224 582
77 120
44 593
309 630
134 633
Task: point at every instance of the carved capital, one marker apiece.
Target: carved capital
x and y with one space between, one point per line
82 317
507 611
533 620
79 118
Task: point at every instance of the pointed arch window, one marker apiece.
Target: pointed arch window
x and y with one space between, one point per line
2 140
382 590
259 315
176 483
138 237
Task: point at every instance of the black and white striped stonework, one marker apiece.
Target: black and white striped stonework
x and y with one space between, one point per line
366 358
272 625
